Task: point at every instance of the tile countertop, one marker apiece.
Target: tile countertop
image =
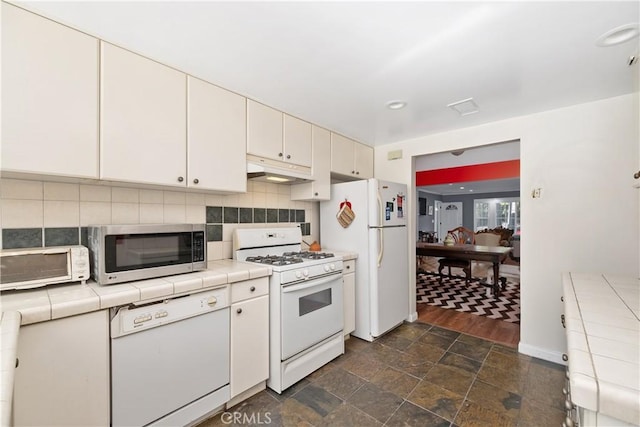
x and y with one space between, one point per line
59 301
602 317
346 256
23 307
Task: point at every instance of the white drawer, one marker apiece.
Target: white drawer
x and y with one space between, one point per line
249 289
349 266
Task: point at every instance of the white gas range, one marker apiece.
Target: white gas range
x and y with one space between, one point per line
306 307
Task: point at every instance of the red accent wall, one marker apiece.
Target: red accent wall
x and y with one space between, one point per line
480 172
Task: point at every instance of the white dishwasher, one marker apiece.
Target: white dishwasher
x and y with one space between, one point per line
170 360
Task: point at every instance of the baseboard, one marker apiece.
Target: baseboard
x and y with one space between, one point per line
412 317
541 353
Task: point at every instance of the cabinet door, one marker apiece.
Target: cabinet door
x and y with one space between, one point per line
297 141
143 120
320 187
342 160
49 97
216 149
249 343
349 298
264 131
63 372
363 161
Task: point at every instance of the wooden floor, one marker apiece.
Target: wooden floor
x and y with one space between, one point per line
491 329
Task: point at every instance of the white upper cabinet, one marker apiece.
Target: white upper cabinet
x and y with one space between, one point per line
350 159
274 135
50 78
297 145
143 119
216 123
320 187
363 158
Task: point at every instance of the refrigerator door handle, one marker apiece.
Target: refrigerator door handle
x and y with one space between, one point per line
381 249
380 230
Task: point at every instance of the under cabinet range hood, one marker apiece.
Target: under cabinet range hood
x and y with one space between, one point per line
261 169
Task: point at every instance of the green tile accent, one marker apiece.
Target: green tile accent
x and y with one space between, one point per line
60 236
13 238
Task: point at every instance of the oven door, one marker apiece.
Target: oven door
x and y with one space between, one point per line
311 312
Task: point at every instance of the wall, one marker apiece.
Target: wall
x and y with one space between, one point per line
36 213
467 203
426 222
583 157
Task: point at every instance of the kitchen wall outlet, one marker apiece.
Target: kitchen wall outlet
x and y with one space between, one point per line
536 193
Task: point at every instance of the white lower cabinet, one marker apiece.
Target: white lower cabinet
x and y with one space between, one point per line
63 374
249 334
349 298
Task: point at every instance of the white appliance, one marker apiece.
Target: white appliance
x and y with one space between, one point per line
305 298
378 233
170 360
35 267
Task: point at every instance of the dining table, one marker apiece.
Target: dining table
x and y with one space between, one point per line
493 254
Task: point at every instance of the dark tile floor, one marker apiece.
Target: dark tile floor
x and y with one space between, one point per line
416 375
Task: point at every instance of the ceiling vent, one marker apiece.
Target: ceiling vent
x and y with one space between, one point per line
464 107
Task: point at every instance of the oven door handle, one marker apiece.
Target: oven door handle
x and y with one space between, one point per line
310 284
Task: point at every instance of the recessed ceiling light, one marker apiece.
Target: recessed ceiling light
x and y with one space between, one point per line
618 35
396 105
464 107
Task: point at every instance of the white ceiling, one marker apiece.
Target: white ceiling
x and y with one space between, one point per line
337 64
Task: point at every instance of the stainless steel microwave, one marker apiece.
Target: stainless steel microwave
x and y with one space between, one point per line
35 267
122 253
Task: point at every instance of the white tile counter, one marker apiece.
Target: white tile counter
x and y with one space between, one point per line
602 318
65 300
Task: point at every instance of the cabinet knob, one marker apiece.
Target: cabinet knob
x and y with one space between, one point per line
348 267
562 320
315 194
353 171
565 357
288 156
239 311
279 154
358 173
562 298
180 179
196 181
252 289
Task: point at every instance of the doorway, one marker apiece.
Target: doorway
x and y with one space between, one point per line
448 217
455 181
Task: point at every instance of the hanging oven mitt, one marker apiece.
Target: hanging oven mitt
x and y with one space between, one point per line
345 215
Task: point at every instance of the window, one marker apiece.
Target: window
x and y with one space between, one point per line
492 213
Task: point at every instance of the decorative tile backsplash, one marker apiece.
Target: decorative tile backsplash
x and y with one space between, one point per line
43 213
217 216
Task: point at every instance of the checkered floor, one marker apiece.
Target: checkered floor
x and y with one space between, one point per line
454 293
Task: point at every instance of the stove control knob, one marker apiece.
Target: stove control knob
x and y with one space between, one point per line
298 275
332 267
305 272
211 301
326 268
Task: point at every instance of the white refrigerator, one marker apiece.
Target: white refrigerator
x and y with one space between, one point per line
376 229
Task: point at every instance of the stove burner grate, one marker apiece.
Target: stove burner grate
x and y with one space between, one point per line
283 259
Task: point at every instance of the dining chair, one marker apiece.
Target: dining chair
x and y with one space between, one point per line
484 238
461 235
